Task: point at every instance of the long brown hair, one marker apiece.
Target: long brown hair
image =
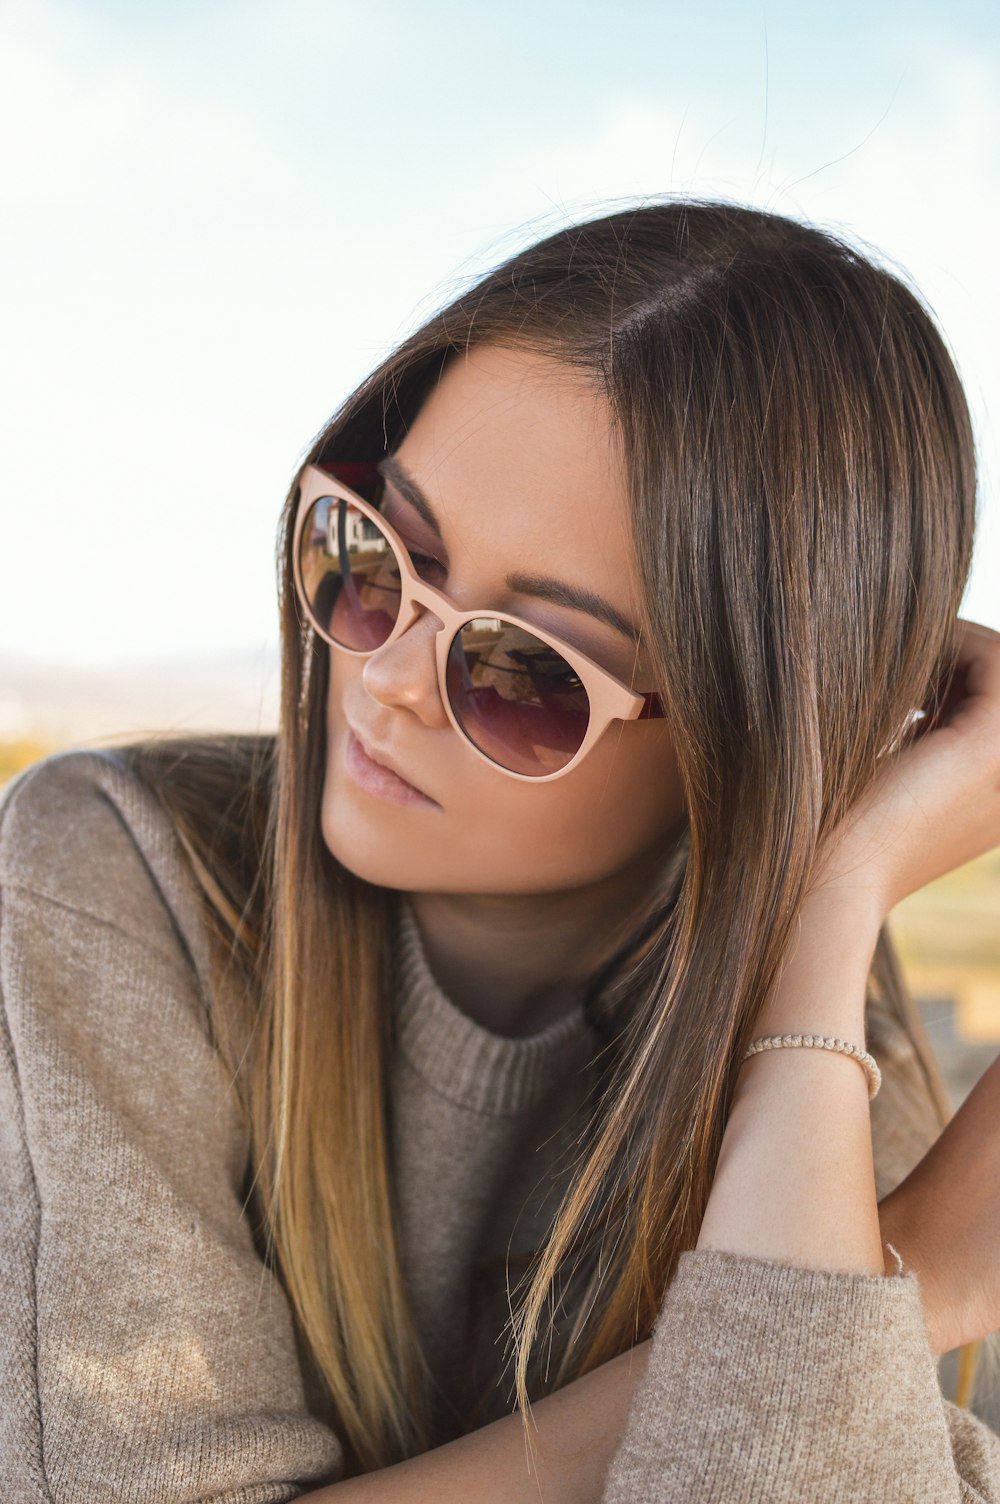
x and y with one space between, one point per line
802 491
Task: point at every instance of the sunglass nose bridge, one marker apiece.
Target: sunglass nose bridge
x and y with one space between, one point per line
429 598
414 610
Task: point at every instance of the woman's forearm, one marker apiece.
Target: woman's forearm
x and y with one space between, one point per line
944 1218
795 1181
578 1431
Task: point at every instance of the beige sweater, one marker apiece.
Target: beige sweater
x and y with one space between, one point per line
145 1352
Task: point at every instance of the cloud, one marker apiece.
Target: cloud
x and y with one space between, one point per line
91 119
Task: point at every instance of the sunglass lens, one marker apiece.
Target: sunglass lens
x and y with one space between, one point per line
349 574
515 697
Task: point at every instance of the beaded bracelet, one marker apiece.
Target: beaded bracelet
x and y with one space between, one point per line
824 1042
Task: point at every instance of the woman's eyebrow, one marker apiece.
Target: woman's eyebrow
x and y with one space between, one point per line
543 586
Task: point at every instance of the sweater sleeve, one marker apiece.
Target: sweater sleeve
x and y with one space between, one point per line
766 1381
146 1352
771 1382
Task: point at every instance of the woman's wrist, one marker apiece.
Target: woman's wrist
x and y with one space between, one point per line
835 939
779 1193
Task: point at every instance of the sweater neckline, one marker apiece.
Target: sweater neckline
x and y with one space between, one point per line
462 1059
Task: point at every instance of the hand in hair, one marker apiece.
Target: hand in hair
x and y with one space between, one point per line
936 803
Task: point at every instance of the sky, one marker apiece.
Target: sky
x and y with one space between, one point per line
218 217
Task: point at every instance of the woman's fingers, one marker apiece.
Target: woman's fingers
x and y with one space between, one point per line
936 803
974 676
977 682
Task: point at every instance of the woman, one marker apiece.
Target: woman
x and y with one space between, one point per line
368 1082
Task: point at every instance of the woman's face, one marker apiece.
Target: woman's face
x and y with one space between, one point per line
517 457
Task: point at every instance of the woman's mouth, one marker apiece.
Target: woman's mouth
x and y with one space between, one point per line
379 781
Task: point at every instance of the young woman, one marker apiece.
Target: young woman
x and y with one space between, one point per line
367 1085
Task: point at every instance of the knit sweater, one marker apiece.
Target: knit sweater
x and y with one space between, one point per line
147 1353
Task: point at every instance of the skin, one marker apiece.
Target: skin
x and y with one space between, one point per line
519 890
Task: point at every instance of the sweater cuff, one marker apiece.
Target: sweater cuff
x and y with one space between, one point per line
766 1380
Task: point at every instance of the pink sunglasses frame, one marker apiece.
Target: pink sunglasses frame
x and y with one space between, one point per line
609 697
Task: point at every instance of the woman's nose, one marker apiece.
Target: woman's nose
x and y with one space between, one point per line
404 672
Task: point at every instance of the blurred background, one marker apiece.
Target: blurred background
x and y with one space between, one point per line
218 216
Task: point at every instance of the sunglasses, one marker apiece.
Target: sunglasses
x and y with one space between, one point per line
526 702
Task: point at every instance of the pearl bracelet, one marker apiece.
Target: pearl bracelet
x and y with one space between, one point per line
823 1042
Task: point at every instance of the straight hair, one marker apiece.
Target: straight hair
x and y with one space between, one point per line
801 503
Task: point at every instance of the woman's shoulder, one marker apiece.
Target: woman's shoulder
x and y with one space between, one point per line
149 1343
82 831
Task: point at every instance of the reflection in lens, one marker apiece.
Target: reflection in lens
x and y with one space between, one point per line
349 574
515 697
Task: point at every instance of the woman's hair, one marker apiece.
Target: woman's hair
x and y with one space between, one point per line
801 499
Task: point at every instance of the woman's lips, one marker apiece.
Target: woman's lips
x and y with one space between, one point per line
378 780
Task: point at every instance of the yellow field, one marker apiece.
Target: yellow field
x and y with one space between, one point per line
15 755
948 935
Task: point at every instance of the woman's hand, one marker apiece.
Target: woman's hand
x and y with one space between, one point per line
944 1219
936 804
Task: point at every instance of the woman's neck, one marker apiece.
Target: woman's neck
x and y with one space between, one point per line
515 963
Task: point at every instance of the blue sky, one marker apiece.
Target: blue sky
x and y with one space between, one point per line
218 217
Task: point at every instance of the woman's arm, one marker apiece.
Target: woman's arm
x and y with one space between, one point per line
795 1180
944 1219
578 1431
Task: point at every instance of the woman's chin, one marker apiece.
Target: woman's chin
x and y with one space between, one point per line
372 839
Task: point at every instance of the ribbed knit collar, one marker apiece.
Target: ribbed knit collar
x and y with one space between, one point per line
462 1059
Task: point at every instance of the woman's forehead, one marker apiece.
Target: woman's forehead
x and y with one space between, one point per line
526 437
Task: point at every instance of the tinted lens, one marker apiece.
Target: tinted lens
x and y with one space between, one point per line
515 697
349 574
